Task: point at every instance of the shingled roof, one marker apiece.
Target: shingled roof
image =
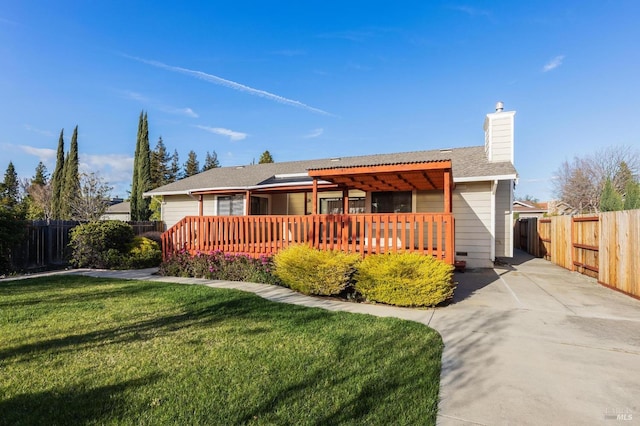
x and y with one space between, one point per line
468 164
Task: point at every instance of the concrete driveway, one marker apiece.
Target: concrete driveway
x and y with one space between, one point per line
532 343
529 343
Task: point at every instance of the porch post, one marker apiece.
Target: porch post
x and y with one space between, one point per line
314 200
345 200
200 205
447 191
247 204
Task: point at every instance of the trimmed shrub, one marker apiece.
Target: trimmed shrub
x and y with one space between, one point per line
313 271
404 279
220 266
143 253
97 244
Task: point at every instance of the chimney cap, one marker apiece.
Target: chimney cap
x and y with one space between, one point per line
499 106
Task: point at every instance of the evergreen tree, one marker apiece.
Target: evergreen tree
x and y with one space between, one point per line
632 195
160 173
265 158
623 175
144 173
141 181
57 180
71 187
134 180
174 168
192 166
41 177
211 161
610 200
10 188
38 195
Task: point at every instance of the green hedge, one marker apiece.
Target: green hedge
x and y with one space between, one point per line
404 279
111 244
312 271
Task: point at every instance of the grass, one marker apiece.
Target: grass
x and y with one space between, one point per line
78 350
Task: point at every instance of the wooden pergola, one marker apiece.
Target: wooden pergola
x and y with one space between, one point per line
423 176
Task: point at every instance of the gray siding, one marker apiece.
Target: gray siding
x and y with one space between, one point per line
504 219
472 212
175 207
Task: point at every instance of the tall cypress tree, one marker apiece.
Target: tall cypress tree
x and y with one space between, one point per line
71 187
144 173
57 180
134 181
141 181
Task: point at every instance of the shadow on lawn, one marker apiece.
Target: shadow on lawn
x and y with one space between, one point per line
82 404
205 313
397 384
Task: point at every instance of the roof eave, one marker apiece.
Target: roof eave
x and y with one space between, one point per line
485 178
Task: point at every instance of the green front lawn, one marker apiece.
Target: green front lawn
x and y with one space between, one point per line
77 350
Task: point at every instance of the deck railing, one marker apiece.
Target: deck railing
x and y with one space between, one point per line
426 233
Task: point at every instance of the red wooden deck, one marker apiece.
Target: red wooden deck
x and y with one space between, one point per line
427 233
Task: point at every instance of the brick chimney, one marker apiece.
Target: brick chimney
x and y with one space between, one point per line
498 134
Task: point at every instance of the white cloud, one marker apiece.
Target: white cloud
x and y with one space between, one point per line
553 64
210 78
234 136
43 154
179 111
135 96
314 133
115 169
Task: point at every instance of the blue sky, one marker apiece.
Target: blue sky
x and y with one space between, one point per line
316 79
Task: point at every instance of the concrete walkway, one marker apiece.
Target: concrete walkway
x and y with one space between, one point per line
528 343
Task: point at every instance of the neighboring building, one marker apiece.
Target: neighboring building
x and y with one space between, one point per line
526 209
118 211
304 201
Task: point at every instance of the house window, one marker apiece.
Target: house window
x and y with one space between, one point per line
334 205
259 206
231 205
391 202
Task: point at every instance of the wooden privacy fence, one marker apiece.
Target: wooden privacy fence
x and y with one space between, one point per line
605 246
428 233
46 242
